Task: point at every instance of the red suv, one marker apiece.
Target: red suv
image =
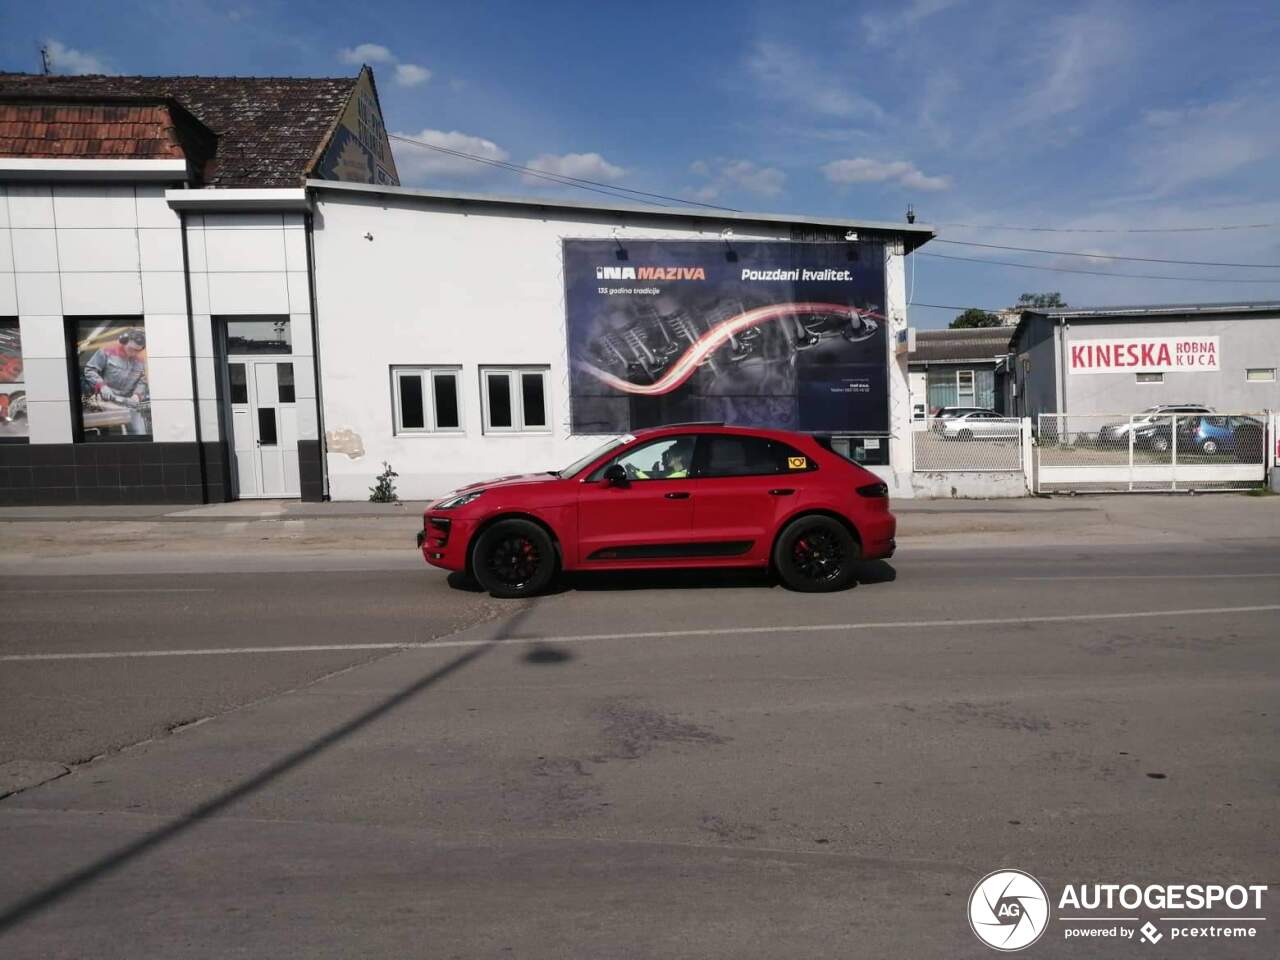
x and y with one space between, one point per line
689 495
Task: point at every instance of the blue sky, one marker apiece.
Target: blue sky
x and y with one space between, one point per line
1089 116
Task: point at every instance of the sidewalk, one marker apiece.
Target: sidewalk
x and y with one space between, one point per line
249 535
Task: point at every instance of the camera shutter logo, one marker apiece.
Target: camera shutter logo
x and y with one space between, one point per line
1008 910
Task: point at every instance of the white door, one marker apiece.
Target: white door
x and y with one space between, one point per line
264 427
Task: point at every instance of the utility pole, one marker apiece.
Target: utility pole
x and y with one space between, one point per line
44 59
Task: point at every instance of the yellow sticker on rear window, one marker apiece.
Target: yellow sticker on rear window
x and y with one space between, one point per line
797 463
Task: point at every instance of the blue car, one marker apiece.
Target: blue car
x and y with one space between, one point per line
1239 435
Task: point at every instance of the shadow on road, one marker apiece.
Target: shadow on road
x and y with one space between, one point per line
15 914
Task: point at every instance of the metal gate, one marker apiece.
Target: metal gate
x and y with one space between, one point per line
1146 452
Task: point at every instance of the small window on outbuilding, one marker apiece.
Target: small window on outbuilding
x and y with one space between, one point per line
1149 377
1260 374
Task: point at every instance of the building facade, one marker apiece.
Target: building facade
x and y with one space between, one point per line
213 288
1120 360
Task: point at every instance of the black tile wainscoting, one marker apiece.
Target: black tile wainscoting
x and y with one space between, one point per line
44 474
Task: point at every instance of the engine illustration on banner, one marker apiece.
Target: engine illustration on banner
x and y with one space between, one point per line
759 333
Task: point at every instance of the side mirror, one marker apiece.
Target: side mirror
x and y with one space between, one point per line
615 476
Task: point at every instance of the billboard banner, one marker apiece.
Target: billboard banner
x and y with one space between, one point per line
1145 355
755 333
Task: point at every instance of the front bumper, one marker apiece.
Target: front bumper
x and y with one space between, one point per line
443 541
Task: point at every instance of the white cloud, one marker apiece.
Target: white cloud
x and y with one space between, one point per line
366 53
1074 56
411 75
866 170
794 77
585 166
883 27
417 163
64 59
405 74
741 175
1203 142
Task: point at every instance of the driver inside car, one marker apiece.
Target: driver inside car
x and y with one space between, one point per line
674 465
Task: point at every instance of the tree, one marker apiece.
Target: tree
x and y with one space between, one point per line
973 317
1041 301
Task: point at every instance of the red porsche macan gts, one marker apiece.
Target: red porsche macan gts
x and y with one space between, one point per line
682 496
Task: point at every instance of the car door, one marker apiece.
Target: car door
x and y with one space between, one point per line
647 518
744 483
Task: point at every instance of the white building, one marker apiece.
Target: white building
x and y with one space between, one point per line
305 319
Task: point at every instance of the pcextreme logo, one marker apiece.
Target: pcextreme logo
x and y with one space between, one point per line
1009 910
651 273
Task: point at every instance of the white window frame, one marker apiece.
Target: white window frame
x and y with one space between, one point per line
427 375
973 389
1262 379
516 392
1149 377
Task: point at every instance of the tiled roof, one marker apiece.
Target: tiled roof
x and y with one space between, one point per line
268 128
133 130
974 343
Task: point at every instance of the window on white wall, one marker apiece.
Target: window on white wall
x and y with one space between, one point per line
515 399
426 399
964 387
1260 374
1149 377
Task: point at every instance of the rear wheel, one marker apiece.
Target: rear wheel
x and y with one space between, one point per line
513 558
1209 448
965 435
815 555
1160 443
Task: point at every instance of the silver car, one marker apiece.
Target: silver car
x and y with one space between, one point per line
979 425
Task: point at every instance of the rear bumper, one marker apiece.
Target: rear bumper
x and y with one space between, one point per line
878 533
443 541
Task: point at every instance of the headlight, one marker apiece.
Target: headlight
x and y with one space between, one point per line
458 500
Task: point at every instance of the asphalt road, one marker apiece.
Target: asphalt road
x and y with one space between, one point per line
663 766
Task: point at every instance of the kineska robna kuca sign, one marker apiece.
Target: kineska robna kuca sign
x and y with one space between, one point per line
754 333
1144 355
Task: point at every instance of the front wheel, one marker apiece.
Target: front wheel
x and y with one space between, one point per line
815 555
513 558
1209 448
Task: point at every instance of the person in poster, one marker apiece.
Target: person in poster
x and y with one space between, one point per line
115 383
13 394
755 333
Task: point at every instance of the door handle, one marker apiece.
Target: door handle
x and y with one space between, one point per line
781 492
677 495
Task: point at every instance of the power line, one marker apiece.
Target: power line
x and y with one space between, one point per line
947 306
1105 256
582 183
1096 273
997 226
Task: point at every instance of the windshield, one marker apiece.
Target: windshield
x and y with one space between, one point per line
599 451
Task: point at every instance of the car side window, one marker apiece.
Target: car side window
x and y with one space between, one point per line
667 458
728 455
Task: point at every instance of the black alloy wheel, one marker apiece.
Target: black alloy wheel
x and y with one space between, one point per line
816 554
513 558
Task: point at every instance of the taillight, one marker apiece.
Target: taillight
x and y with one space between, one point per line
876 490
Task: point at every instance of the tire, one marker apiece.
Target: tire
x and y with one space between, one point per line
816 554
1160 444
513 559
965 435
1209 448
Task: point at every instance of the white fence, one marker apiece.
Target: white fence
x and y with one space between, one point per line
969 445
1144 452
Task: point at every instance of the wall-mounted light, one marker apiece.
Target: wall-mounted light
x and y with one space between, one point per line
730 254
851 236
369 237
